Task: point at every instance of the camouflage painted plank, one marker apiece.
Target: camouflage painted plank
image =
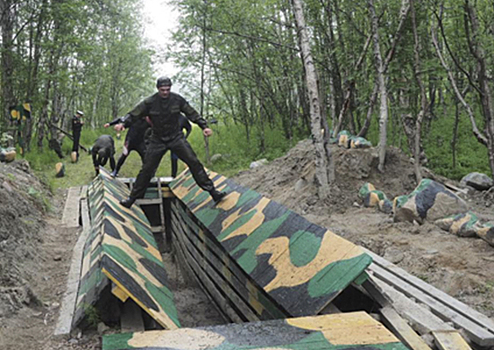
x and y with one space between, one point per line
264 307
300 265
121 246
333 332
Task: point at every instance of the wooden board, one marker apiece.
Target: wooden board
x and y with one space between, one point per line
71 210
450 341
67 309
122 247
441 304
435 293
340 331
300 265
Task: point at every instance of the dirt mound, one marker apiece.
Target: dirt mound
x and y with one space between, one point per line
462 267
23 202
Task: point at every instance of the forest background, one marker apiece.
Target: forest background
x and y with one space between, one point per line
413 74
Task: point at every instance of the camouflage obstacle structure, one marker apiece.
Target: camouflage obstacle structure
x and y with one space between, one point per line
270 260
120 250
350 331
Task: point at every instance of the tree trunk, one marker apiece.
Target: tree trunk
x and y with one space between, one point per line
323 158
383 109
423 97
7 18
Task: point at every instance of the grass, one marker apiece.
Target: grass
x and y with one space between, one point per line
237 152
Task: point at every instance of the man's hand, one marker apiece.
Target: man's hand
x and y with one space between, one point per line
207 132
119 127
106 125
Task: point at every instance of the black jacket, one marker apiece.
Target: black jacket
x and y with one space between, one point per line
164 114
76 124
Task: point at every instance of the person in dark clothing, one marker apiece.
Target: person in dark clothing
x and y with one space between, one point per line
134 141
184 125
102 150
164 108
77 124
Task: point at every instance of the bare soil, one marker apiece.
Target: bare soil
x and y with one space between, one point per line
35 250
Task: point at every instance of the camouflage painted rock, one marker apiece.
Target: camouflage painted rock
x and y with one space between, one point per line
430 201
463 225
7 154
486 232
343 331
344 139
478 181
374 198
59 170
359 142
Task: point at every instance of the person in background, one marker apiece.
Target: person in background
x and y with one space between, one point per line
135 140
77 124
164 109
102 150
184 125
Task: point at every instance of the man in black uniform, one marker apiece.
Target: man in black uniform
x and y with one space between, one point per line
134 141
164 108
183 125
102 150
77 124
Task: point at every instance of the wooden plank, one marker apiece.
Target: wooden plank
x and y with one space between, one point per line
450 341
477 333
356 330
67 309
217 257
456 305
212 292
70 216
421 318
131 318
211 273
402 330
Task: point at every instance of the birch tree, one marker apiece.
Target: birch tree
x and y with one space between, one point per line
323 157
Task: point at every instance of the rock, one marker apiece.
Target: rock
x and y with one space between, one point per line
301 184
7 186
216 157
479 181
394 255
258 163
102 328
429 201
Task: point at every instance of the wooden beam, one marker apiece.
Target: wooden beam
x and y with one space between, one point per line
450 341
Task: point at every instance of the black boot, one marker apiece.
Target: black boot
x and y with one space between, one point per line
217 195
127 202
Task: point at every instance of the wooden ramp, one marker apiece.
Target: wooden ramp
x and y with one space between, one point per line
296 265
340 331
121 248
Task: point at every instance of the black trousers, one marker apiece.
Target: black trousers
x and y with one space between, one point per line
77 136
155 152
139 148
